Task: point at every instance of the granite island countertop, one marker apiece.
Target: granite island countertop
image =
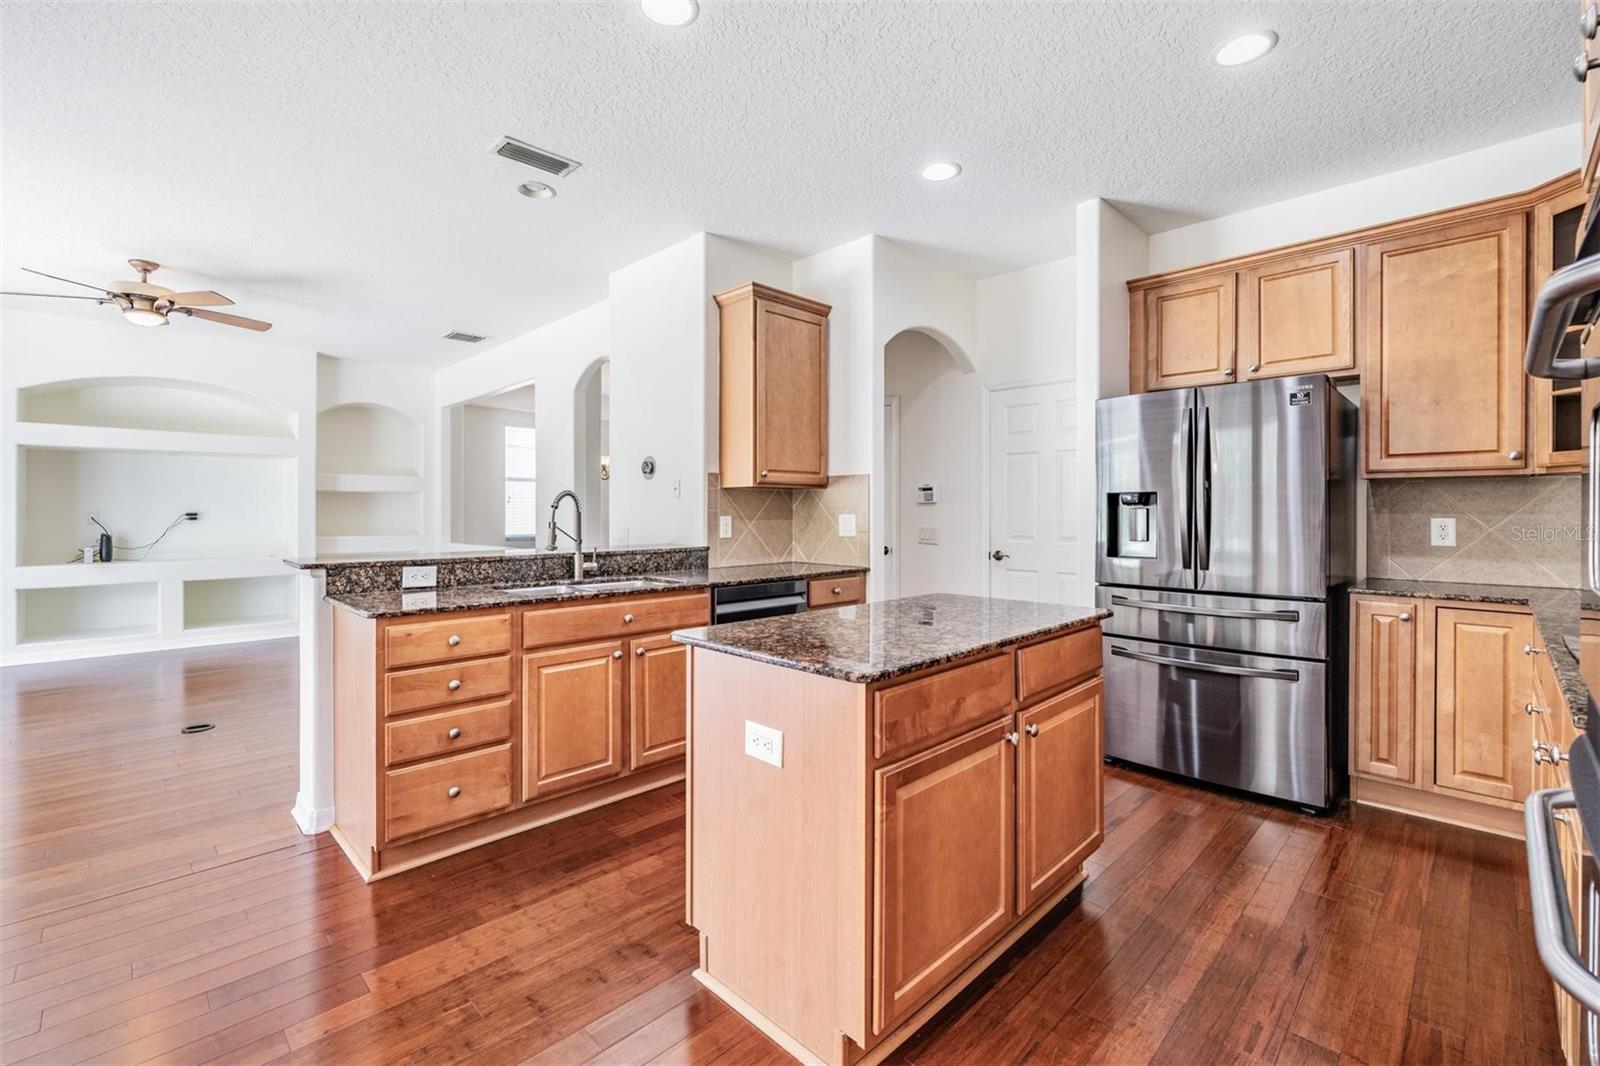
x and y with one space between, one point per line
874 641
393 602
1555 616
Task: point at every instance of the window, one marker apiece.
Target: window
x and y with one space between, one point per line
521 519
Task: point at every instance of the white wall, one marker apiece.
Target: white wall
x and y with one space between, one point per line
729 264
842 277
1509 167
483 443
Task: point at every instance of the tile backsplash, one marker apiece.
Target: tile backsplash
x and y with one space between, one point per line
1509 530
790 525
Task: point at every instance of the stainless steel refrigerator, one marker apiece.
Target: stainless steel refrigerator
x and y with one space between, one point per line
1226 536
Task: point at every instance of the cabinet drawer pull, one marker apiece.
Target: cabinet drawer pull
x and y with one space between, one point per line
1033 729
1227 371
1589 22
627 619
763 473
453 791
617 654
1548 754
1254 367
1513 455
455 733
837 591
1013 738
455 640
1531 709
1405 616
1582 65
639 652
453 684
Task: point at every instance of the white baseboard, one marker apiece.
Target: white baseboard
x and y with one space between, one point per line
309 820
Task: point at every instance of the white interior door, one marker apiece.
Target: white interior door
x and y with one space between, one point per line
1034 524
891 497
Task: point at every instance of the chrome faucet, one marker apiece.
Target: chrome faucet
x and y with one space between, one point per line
579 567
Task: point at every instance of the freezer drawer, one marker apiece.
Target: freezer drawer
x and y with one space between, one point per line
1245 721
1239 623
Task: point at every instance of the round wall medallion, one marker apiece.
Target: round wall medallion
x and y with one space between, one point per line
648 467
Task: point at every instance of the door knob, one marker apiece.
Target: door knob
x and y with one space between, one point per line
998 556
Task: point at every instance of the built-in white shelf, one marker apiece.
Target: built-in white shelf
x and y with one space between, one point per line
369 483
113 439
238 601
99 612
63 575
148 403
366 438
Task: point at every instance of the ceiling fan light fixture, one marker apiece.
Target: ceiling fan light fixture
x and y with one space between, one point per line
140 313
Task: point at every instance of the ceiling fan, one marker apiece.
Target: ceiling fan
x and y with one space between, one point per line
145 304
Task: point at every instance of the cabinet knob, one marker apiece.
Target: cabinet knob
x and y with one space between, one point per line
1513 455
1013 738
1405 616
837 591
1033 729
455 733
455 683
617 654
1529 649
763 473
638 653
1548 754
628 619
1254 367
1582 65
1589 21
455 640
453 791
1531 709
1227 371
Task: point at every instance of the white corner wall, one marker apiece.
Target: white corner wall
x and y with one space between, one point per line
730 263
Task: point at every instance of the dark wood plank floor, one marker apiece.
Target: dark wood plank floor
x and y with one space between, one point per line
159 905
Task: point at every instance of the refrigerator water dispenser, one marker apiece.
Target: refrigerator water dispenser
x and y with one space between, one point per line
1131 525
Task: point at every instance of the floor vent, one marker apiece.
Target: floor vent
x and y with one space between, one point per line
464 338
198 727
537 158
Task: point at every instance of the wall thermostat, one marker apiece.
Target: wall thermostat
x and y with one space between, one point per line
927 494
648 467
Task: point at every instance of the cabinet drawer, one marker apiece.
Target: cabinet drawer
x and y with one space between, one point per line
619 617
837 591
446 732
443 639
917 713
1051 664
443 792
435 686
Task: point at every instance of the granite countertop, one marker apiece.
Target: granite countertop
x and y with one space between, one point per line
1555 614
386 603
874 641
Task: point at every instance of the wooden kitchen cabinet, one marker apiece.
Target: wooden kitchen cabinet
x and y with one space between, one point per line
1589 48
1383 687
1060 805
1184 332
1556 422
1296 316
1440 337
571 717
774 381
1482 735
658 670
944 887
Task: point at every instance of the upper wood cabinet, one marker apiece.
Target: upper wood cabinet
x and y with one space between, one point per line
1185 332
1383 687
1556 422
1440 338
1591 105
1296 316
1483 681
774 379
1060 806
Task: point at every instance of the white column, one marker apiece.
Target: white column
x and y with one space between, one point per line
313 807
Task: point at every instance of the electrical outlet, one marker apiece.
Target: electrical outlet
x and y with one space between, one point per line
418 601
419 577
927 535
763 743
725 526
1442 532
847 525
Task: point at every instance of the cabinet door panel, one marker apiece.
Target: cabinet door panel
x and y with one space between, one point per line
944 879
1060 805
791 395
1441 332
1383 688
1482 735
658 674
1296 316
1189 332
571 717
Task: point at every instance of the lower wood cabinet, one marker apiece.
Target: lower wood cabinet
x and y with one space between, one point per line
1484 680
1060 804
658 674
1383 688
571 717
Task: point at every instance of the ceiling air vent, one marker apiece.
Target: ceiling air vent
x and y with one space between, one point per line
465 338
537 158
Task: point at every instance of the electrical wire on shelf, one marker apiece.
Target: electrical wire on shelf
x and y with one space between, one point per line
145 548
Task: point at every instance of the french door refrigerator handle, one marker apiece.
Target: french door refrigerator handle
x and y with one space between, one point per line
1591 534
1209 612
1553 930
1553 309
1206 668
1202 487
1187 431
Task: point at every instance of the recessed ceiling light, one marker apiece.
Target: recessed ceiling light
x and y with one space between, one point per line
670 12
536 190
1244 49
941 171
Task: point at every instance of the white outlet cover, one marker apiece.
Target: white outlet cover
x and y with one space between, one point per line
764 743
419 577
418 601
847 525
1442 532
725 526
927 535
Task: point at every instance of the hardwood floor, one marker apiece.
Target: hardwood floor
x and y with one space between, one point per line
159 905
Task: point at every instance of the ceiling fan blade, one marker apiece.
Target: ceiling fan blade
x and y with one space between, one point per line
201 298
226 320
142 288
69 281
60 296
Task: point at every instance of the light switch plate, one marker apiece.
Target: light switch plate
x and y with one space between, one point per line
927 535
725 526
419 577
763 743
1442 532
847 525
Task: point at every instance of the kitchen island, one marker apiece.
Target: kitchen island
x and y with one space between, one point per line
882 799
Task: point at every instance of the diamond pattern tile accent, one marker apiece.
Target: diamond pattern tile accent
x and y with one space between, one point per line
783 525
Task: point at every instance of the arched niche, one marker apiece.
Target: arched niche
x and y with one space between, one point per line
368 438
591 447
153 403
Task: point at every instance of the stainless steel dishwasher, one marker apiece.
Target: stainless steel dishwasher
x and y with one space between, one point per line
763 599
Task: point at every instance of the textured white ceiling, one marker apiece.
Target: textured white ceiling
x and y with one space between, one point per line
327 164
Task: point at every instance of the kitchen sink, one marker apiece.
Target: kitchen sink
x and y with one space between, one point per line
565 588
